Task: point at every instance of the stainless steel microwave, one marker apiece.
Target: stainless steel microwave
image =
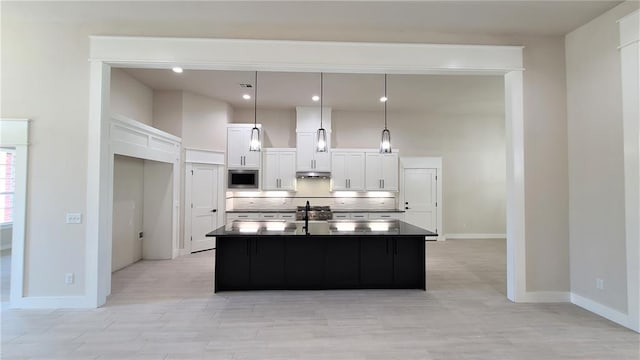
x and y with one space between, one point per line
243 179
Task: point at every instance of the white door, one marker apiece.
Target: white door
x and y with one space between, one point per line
420 194
204 206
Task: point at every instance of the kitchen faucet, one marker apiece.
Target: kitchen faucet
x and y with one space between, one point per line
307 207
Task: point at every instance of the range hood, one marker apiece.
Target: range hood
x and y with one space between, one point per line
313 174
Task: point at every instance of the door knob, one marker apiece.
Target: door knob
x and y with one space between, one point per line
406 203
214 210
406 208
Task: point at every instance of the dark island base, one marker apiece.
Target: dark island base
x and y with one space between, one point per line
319 262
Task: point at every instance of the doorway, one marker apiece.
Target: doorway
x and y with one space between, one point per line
202 193
420 200
338 57
421 194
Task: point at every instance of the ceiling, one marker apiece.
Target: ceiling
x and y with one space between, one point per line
356 92
251 19
384 21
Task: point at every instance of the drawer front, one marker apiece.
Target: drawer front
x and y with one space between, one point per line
242 216
288 216
341 216
359 216
268 216
386 216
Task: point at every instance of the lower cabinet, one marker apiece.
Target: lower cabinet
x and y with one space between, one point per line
341 267
376 261
250 263
304 262
320 262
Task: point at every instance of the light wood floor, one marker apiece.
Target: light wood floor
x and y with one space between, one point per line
166 310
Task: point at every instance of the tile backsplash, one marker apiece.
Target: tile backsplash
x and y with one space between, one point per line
316 191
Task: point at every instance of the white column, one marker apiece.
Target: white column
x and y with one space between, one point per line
630 67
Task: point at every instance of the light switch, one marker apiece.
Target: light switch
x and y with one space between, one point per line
74 218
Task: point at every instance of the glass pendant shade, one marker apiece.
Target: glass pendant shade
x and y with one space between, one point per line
385 142
255 144
321 140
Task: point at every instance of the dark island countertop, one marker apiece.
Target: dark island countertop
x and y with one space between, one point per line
321 228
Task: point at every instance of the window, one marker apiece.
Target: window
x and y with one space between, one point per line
7 184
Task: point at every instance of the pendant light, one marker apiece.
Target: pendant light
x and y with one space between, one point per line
321 139
385 141
255 145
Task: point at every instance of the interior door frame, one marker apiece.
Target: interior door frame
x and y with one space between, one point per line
15 135
425 162
297 56
194 157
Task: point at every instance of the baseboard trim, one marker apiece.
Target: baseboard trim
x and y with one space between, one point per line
545 297
476 236
602 310
52 302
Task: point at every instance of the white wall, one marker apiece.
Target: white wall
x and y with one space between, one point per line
273 122
596 160
128 201
472 147
204 122
158 207
167 111
46 77
130 97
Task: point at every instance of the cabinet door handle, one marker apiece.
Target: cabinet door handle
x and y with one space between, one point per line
247 247
387 245
349 180
395 246
383 183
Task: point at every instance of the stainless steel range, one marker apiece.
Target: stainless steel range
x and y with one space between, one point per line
315 213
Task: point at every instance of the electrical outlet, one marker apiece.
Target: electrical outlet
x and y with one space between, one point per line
68 278
74 218
599 284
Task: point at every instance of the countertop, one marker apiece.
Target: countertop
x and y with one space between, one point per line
321 228
332 210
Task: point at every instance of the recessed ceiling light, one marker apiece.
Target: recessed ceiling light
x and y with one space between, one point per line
246 96
315 98
383 99
177 70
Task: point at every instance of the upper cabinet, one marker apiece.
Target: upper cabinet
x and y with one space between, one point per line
381 171
307 125
238 154
347 170
279 169
308 158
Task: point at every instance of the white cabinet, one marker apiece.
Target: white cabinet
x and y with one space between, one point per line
359 216
242 216
368 216
308 159
386 216
279 169
381 171
347 171
238 154
277 216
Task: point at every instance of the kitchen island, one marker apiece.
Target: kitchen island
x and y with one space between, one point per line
283 255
